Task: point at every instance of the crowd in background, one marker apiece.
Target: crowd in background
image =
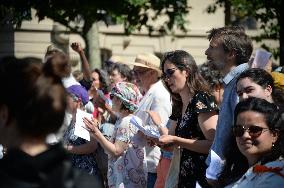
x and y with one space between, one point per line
151 123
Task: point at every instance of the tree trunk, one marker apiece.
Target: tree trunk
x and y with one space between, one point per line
91 37
281 20
227 12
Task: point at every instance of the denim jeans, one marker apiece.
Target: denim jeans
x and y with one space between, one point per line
151 180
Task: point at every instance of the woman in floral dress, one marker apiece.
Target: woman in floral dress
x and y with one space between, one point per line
126 152
196 128
82 150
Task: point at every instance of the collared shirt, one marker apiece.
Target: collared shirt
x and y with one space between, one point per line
261 180
157 99
225 119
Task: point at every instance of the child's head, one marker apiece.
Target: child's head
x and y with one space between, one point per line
125 96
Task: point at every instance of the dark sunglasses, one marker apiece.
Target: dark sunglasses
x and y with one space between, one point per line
254 131
111 96
168 73
140 72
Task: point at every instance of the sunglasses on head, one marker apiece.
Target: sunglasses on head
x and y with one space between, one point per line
168 73
253 130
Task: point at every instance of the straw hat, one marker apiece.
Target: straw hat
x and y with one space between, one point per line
147 60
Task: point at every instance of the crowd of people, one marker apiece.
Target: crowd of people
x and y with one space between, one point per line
150 123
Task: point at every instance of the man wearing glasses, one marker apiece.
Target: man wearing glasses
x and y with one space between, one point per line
156 98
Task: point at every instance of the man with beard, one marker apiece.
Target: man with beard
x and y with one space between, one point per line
229 51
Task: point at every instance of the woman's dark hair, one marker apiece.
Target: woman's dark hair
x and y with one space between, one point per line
104 80
124 70
258 76
236 163
264 79
280 126
34 96
269 110
125 108
184 61
211 75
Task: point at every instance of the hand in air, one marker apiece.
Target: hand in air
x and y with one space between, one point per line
76 46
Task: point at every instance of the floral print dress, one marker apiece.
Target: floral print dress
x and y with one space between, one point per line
130 169
192 164
85 162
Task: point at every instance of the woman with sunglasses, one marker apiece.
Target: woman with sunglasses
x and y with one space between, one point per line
195 130
256 144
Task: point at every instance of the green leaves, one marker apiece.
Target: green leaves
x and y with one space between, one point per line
132 13
266 12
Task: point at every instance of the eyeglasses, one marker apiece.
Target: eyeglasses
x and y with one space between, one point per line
168 73
254 131
140 72
111 96
74 97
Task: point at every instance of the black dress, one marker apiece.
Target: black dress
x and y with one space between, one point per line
192 164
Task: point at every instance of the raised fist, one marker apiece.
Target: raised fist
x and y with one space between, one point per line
76 46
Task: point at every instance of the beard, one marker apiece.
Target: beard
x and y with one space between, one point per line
217 65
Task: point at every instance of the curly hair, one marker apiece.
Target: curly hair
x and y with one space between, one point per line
211 75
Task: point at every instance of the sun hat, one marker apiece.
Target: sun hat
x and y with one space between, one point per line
80 92
128 93
147 60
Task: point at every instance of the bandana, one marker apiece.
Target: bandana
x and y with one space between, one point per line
128 93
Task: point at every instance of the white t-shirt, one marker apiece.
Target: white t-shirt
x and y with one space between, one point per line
157 99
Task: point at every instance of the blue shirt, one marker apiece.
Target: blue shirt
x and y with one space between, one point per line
226 114
261 180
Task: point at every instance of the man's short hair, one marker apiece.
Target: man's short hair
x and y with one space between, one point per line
233 38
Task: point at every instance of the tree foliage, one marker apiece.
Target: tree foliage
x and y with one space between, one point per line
79 15
266 12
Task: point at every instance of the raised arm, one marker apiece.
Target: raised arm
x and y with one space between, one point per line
76 46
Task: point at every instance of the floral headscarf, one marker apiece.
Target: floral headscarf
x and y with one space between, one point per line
128 93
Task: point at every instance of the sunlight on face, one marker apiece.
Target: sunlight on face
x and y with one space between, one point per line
254 148
247 88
